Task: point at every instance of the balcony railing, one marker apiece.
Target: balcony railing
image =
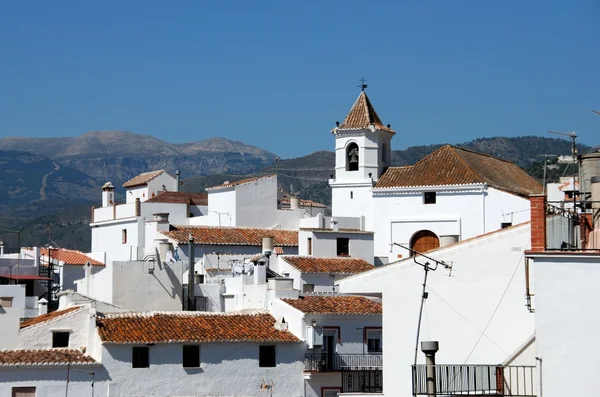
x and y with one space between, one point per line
461 380
338 362
570 226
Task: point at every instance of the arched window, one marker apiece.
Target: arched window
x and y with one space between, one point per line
384 153
352 157
423 241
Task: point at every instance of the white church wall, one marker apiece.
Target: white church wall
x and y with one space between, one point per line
353 201
484 291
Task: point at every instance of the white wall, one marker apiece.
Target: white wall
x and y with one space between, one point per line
136 287
51 381
486 285
227 369
77 322
256 203
566 295
361 203
10 317
505 207
324 244
221 209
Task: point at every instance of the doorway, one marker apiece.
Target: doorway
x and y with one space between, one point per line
329 349
423 241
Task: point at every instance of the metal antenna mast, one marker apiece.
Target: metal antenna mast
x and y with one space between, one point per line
595 111
427 267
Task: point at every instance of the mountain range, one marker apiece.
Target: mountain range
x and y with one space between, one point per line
54 181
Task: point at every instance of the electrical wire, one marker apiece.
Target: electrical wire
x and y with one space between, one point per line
496 309
466 319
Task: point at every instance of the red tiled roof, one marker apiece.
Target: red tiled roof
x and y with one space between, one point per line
69 257
278 250
180 198
48 357
178 327
341 304
309 264
232 235
450 165
361 116
48 316
240 182
142 179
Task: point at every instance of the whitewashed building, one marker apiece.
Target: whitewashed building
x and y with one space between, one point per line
475 306
451 195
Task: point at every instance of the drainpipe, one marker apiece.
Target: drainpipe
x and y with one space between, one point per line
191 258
430 348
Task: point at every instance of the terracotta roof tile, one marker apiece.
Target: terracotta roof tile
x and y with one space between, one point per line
49 316
309 264
179 327
229 184
232 235
450 165
48 357
69 257
142 179
278 250
341 304
180 198
361 116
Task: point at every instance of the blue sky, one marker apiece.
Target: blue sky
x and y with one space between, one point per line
278 74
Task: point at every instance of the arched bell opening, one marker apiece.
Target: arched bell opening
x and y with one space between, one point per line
352 157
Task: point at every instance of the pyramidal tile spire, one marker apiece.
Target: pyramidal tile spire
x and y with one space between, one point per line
362 116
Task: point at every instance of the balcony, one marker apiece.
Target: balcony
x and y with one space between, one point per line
342 362
489 380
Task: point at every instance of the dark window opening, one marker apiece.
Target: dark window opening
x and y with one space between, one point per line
23 392
140 357
343 246
429 197
351 195
308 288
384 153
191 356
60 339
124 236
352 157
504 225
266 356
309 241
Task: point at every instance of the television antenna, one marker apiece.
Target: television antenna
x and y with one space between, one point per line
595 111
427 267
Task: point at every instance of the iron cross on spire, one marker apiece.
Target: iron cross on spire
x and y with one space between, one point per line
362 84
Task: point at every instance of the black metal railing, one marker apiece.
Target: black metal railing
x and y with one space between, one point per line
460 380
337 362
362 381
570 226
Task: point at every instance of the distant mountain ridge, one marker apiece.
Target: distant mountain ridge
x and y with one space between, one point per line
119 155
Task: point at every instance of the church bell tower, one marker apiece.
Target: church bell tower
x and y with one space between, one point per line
362 154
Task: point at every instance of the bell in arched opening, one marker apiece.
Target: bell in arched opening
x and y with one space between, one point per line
352 157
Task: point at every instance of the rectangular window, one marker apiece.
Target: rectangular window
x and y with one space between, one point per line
374 342
6 301
60 339
140 357
23 392
309 242
343 246
351 195
191 356
307 288
504 225
124 236
429 198
266 356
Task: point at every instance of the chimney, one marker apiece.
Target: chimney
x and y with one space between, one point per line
87 269
42 306
294 203
260 273
108 194
538 222
334 224
36 257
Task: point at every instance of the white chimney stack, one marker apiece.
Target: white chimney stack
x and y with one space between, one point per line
108 194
